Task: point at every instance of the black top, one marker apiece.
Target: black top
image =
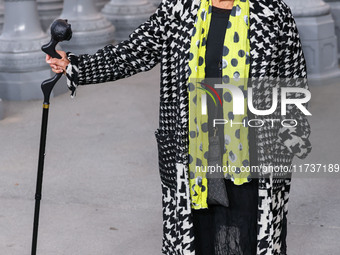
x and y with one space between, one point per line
213 71
219 229
213 60
215 41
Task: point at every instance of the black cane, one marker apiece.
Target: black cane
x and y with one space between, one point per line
60 31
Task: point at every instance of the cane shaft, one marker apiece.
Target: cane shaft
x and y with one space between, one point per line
60 31
40 176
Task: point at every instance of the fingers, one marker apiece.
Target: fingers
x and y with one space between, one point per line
61 53
58 65
53 66
57 70
57 62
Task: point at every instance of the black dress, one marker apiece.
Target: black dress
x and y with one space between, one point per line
229 230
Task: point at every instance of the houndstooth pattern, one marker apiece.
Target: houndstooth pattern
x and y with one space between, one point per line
72 73
165 38
272 221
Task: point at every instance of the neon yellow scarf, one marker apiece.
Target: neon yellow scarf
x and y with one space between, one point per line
235 71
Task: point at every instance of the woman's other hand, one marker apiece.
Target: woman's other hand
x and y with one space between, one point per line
58 65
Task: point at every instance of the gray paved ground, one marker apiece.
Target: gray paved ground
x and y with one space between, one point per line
101 191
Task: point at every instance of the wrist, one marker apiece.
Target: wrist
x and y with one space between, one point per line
67 63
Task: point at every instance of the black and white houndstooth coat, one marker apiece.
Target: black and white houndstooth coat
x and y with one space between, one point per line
165 38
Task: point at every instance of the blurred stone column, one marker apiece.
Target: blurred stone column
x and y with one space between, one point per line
155 2
2 11
48 11
91 31
1 110
127 15
316 28
335 9
22 63
100 4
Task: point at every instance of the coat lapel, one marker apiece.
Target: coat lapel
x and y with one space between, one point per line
263 34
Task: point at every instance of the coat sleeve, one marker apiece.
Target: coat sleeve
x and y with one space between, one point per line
140 52
293 67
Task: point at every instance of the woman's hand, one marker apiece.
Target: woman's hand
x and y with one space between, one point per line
58 65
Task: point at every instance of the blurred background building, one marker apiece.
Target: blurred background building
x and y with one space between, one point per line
316 26
24 27
101 180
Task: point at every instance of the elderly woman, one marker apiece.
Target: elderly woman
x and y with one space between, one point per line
200 43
